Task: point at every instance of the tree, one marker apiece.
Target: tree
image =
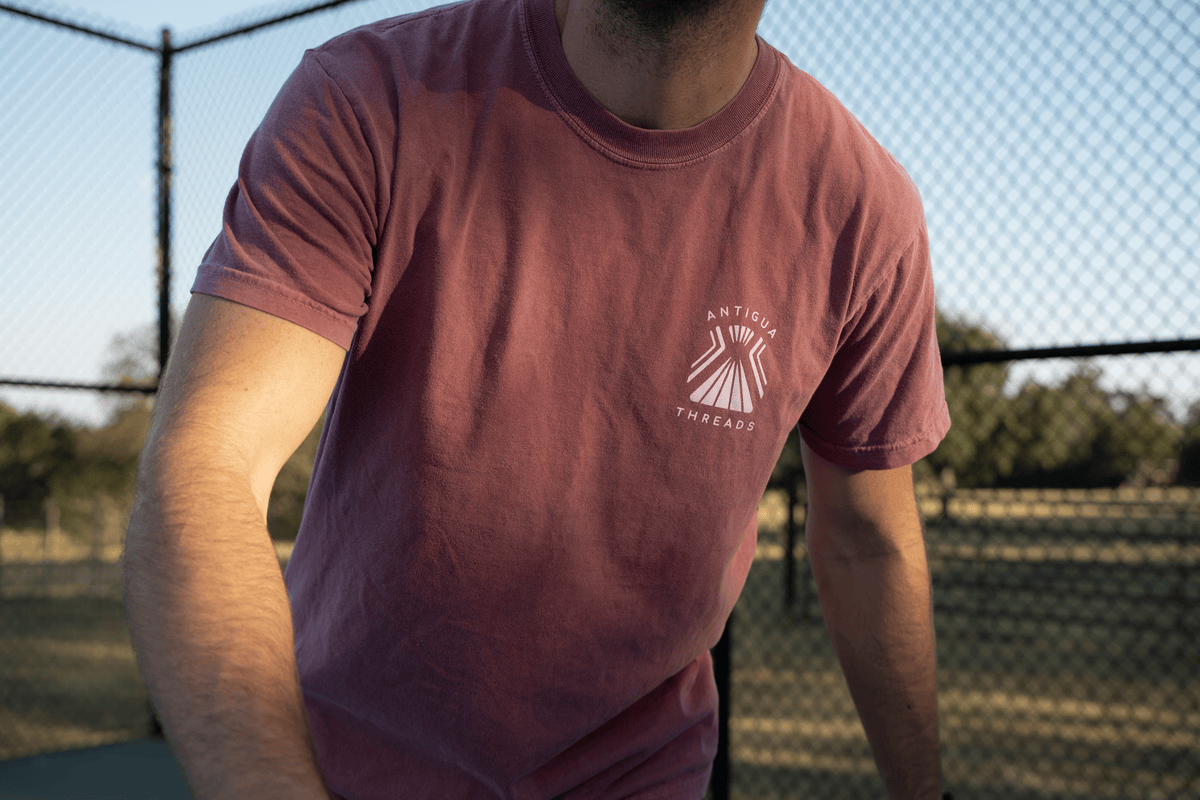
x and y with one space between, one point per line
1077 434
133 361
1138 442
38 459
975 397
286 506
133 355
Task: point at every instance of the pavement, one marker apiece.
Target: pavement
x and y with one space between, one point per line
144 769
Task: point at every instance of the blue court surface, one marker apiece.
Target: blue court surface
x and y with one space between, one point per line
144 769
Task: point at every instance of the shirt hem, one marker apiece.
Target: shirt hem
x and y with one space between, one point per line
879 457
245 290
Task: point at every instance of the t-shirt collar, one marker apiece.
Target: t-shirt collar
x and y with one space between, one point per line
624 142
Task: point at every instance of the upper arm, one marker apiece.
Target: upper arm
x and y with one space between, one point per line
242 390
858 513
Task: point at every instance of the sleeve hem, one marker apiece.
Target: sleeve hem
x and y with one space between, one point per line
880 456
249 292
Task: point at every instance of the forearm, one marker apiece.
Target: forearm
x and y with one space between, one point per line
878 614
212 629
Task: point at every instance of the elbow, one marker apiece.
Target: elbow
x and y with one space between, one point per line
840 547
184 486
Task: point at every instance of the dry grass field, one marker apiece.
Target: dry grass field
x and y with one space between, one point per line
68 677
1069 647
1069 654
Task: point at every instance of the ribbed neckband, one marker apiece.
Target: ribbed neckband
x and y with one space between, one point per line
627 143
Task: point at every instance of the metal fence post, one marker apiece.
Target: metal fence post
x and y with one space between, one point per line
722 664
789 549
165 165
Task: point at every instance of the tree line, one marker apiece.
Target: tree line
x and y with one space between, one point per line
1071 434
46 460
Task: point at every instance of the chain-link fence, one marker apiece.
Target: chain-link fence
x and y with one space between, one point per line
1068 658
1057 148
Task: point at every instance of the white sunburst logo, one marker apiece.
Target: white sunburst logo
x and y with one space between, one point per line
731 382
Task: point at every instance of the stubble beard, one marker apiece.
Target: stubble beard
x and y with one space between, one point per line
658 30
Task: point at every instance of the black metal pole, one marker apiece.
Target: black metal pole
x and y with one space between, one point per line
165 164
722 667
789 549
967 358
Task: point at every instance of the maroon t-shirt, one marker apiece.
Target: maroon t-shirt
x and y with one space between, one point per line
575 349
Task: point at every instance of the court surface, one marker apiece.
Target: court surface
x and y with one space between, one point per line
144 769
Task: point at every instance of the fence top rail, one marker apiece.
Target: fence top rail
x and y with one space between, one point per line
155 48
276 20
969 357
62 23
91 387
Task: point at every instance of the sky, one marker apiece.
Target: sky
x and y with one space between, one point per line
1056 144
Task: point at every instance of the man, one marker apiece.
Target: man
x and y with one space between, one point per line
563 276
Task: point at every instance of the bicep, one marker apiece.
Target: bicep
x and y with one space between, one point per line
242 390
855 514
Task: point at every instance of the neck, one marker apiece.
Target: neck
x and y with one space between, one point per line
665 83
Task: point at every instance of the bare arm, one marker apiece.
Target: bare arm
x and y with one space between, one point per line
868 556
207 606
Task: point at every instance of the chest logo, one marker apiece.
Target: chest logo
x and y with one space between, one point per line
730 374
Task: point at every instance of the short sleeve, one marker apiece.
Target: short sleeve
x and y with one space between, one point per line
299 225
881 404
